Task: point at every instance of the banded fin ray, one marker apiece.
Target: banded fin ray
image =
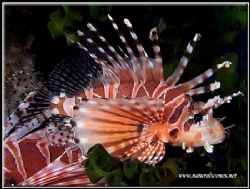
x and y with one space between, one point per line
117 72
29 115
58 173
174 78
153 152
119 125
137 69
73 74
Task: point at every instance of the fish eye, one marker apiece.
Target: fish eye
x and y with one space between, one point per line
198 117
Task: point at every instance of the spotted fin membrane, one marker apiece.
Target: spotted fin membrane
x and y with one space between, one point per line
18 86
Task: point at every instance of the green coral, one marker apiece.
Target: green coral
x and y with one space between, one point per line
62 24
152 176
130 169
56 25
128 173
229 19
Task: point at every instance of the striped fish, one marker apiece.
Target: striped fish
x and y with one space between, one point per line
131 110
127 105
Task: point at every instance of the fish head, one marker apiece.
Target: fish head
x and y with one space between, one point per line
201 128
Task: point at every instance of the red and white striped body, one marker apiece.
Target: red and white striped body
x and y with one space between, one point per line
25 160
132 111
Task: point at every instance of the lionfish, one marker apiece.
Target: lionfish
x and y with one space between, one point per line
127 106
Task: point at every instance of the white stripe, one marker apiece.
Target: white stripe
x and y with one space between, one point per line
134 36
110 18
127 22
106 90
115 26
23 105
101 50
123 39
189 48
55 100
89 40
184 60
91 27
55 111
102 38
157 49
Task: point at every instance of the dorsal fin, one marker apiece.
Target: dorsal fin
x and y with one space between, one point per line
116 69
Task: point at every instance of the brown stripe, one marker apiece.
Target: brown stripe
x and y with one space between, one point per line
188 124
171 94
187 55
174 133
177 112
